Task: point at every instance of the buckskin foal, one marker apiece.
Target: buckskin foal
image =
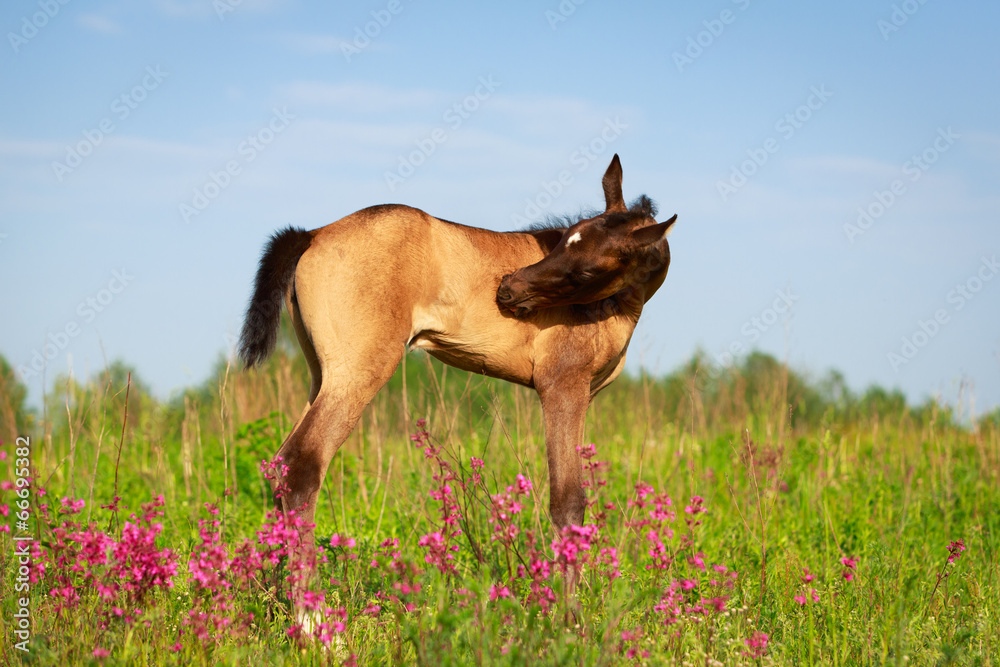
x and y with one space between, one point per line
551 309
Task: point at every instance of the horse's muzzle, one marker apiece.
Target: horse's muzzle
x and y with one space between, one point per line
509 299
504 295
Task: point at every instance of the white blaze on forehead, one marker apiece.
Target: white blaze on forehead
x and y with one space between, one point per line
573 239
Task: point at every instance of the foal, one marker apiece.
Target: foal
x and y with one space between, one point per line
550 309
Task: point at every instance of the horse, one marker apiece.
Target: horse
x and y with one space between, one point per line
552 309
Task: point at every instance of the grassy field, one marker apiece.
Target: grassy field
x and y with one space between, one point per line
738 516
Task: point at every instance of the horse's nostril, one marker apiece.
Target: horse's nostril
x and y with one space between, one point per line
503 294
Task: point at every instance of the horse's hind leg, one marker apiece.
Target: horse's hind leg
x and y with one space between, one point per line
316 376
344 392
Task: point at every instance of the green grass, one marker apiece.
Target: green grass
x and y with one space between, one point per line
791 479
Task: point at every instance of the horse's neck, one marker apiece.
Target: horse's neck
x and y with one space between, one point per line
624 308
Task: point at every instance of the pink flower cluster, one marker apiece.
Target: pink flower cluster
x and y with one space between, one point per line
505 507
630 645
657 525
572 545
757 643
440 549
850 567
592 468
810 594
955 550
211 570
275 471
123 573
71 506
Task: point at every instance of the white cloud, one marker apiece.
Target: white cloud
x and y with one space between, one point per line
532 114
313 44
984 143
99 23
357 97
29 149
844 165
202 9
185 8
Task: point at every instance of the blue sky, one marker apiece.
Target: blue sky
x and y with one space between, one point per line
147 149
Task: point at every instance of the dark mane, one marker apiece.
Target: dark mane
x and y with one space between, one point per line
565 221
643 207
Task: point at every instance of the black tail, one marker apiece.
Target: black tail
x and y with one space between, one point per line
274 275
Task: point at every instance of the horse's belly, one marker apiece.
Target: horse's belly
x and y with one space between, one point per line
481 359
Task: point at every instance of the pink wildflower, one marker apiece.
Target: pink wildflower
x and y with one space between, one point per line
757 644
438 551
670 604
696 506
642 492
609 556
850 565
955 550
72 506
630 640
497 593
717 603
344 542
523 485
572 543
276 471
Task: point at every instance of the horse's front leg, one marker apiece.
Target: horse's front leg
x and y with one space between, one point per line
564 405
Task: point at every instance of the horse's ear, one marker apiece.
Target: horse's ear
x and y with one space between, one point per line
653 233
612 183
